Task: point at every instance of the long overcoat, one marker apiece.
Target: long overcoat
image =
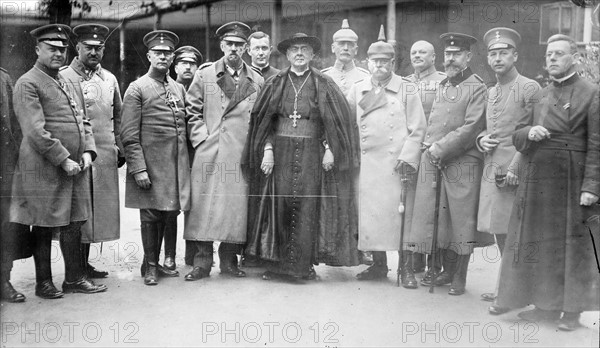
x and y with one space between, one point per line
507 105
390 130
218 117
103 105
54 126
154 138
457 117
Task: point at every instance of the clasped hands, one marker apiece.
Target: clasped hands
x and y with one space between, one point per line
74 168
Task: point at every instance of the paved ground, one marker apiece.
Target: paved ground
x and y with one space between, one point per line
335 310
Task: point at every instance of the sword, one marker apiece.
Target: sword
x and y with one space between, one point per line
437 184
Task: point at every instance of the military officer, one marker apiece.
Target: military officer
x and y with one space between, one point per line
510 102
392 125
218 105
103 104
154 137
187 60
427 78
344 72
58 142
457 117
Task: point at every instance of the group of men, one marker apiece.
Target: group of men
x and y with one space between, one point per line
296 167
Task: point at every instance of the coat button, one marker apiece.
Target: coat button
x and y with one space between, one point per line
364 152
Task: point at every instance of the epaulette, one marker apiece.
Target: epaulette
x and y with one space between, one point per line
406 79
441 73
205 65
326 69
1 68
63 68
363 70
478 78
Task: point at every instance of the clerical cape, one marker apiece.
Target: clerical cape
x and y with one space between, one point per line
334 238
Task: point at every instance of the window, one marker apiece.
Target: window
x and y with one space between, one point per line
566 18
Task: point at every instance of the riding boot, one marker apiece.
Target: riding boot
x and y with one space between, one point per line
459 280
407 274
70 245
170 237
432 270
7 292
149 241
449 261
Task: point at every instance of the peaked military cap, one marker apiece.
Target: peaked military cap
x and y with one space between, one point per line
297 38
188 54
91 34
381 48
345 34
56 35
234 31
456 42
497 38
162 40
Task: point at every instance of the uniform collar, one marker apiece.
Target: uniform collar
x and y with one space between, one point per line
510 76
50 72
423 74
463 75
343 67
81 69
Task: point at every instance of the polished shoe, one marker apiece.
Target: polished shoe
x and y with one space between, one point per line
373 273
151 275
232 270
444 278
312 274
407 274
46 289
569 321
268 275
9 293
196 274
94 273
430 274
82 285
166 272
537 314
409 281
170 263
456 290
497 310
488 297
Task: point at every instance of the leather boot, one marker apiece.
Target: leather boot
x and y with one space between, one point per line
149 241
459 280
44 287
449 261
433 270
89 270
7 291
407 275
418 262
70 245
170 237
378 270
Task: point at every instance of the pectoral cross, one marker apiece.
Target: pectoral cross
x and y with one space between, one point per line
173 101
295 117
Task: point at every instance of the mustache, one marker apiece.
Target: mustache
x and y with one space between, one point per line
451 65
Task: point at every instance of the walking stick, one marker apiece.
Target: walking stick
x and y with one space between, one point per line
401 209
438 186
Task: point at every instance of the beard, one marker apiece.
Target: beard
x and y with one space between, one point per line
452 69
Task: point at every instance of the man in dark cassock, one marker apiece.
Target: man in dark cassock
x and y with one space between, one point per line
57 141
300 157
549 260
259 50
155 142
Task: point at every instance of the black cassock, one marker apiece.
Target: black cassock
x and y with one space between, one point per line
301 214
